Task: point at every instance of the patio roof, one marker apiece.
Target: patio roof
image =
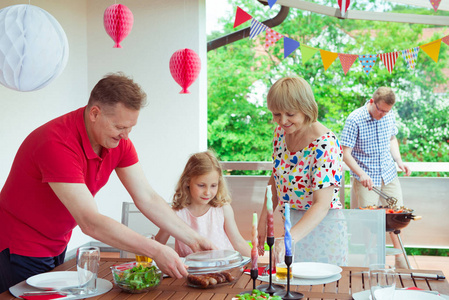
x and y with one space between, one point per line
371 15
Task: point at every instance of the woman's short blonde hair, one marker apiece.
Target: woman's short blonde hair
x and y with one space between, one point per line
292 94
200 164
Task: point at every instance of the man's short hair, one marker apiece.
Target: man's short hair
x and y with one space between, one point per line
385 94
117 88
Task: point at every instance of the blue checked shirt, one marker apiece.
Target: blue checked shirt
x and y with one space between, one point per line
370 143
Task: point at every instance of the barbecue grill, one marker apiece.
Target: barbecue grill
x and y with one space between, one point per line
395 221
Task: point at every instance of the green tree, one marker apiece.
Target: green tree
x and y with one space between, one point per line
241 130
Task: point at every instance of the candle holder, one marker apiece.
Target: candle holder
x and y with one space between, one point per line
289 295
254 274
270 288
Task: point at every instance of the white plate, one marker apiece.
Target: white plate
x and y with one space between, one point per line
54 280
402 295
313 270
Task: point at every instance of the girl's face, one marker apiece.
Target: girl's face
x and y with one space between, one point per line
289 121
204 188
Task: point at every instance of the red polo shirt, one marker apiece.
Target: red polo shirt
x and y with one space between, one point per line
33 221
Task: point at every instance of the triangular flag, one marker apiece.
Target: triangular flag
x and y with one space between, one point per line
389 59
307 52
289 46
410 56
241 17
347 60
343 4
256 28
367 61
446 39
432 49
435 4
271 37
328 58
271 3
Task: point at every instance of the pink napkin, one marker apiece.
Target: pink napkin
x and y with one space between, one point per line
247 271
42 297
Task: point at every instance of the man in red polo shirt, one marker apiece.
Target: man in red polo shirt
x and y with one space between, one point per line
55 175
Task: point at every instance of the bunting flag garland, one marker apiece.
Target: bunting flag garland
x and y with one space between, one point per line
446 40
241 17
389 59
256 28
367 61
435 4
328 58
410 56
289 46
271 3
307 52
347 60
432 49
271 37
344 4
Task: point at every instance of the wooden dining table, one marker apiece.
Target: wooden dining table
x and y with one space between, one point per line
352 281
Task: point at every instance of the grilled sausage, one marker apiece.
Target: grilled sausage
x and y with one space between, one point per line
199 280
228 276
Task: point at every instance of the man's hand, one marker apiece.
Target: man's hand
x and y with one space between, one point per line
366 181
169 262
404 168
202 244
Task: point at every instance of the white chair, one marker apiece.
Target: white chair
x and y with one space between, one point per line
134 219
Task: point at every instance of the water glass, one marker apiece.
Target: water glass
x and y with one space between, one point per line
87 264
382 281
279 259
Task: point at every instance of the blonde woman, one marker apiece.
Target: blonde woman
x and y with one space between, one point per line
307 160
202 200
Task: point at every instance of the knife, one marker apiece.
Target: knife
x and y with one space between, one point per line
424 275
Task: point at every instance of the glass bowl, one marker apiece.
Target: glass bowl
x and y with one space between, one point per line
214 268
136 277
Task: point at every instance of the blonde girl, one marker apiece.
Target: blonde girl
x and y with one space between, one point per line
202 201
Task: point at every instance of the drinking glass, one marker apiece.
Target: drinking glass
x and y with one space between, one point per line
87 264
143 258
279 259
382 281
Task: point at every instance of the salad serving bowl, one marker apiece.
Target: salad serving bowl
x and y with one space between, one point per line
136 277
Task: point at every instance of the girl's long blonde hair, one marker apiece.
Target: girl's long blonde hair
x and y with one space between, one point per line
200 164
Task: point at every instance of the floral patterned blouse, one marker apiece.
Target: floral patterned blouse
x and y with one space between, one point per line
298 174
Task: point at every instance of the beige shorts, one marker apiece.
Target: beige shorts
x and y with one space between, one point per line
361 196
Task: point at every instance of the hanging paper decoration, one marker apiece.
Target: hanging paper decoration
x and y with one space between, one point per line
343 4
347 60
307 52
410 56
446 39
256 28
271 3
185 65
432 49
367 61
33 48
271 37
328 58
118 21
389 59
435 4
241 17
289 46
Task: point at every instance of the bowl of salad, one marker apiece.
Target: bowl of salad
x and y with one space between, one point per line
136 277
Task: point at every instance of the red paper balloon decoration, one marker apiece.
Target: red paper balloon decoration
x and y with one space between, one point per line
185 65
118 22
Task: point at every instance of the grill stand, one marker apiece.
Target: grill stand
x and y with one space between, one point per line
398 233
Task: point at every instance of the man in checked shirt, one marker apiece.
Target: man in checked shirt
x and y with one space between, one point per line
370 150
